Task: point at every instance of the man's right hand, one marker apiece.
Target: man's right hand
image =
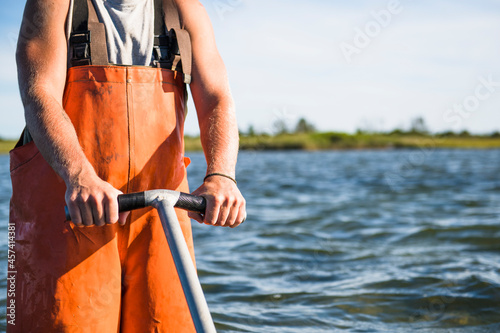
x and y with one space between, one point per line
92 201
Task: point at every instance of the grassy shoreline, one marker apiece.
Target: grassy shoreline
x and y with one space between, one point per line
6 146
338 141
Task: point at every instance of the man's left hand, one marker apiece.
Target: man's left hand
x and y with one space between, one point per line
226 206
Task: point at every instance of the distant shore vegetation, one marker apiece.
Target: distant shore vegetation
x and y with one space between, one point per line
304 136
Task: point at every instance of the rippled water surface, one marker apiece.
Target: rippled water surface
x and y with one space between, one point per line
350 241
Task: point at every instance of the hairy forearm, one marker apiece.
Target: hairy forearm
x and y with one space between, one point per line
52 131
41 63
219 136
210 90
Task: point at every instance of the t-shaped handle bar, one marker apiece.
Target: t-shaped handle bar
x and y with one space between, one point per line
164 201
144 199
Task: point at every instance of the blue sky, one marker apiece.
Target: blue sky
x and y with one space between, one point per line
342 65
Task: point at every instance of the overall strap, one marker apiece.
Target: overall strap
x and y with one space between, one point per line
87 43
88 38
164 48
172 22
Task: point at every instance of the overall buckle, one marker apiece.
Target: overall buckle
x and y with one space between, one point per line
79 44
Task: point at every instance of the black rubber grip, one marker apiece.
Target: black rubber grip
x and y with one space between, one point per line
126 202
137 200
192 203
131 201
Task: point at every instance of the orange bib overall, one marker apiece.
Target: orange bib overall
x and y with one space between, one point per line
129 121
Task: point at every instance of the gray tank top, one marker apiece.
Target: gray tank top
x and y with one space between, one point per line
129 30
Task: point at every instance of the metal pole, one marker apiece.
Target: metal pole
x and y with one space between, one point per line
185 269
164 201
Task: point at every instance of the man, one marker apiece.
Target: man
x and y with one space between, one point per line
100 129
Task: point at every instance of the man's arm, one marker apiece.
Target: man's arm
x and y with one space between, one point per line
41 61
217 120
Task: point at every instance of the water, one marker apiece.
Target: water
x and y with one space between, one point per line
351 241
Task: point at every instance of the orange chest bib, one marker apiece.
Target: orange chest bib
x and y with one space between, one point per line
129 121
